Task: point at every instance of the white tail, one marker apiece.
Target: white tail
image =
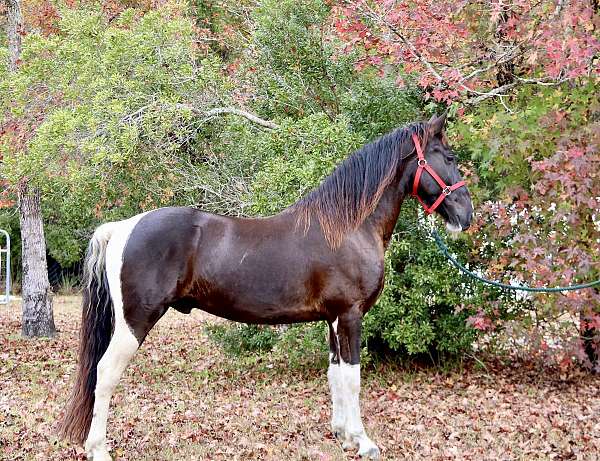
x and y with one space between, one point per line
96 253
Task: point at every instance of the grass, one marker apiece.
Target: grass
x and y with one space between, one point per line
182 398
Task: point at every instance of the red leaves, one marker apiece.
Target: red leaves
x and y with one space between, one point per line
552 238
41 15
459 49
480 321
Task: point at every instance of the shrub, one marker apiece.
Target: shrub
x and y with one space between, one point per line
239 339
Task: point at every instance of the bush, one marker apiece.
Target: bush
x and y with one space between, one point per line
299 346
326 110
239 339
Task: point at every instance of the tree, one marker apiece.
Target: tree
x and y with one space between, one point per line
523 79
38 316
476 50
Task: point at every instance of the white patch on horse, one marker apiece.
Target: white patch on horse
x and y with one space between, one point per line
123 343
344 381
338 414
346 423
355 434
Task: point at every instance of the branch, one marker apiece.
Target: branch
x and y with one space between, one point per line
229 110
543 81
492 93
505 57
498 92
206 115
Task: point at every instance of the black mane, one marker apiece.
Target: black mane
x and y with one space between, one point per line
352 191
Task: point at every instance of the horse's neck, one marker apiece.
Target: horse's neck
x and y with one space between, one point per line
383 219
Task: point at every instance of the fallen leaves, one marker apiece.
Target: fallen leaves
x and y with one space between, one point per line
182 398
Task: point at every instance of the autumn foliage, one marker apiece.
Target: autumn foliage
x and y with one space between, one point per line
463 49
99 108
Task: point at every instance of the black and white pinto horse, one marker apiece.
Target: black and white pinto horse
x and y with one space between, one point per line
320 259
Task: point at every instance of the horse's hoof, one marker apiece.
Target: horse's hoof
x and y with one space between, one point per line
99 455
369 453
348 445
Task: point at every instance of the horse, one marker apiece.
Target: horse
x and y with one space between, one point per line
320 259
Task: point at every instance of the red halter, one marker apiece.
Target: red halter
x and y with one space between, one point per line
423 165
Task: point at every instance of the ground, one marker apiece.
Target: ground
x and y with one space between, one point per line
183 399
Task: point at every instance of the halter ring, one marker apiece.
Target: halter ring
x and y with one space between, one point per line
422 162
446 191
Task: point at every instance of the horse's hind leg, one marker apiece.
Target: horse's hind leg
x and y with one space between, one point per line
122 347
344 381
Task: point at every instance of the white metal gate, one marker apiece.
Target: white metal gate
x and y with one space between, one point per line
5 268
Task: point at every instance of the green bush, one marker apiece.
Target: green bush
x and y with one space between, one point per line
239 339
326 110
422 307
299 346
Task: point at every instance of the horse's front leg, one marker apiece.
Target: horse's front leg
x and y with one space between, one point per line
344 382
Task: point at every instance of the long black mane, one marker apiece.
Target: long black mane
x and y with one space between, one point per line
352 191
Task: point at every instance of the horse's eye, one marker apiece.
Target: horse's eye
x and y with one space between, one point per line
450 158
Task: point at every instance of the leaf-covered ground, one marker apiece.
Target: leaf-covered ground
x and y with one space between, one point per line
183 399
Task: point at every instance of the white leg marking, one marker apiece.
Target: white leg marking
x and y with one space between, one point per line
355 431
338 415
338 411
123 344
344 383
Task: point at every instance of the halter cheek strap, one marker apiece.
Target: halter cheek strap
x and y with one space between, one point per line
423 165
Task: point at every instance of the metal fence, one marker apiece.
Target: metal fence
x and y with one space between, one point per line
5 268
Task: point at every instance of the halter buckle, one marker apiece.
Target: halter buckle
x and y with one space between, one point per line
446 191
421 162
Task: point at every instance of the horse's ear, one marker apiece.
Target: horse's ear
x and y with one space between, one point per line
436 124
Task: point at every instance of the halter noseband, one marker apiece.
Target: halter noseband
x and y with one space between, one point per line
423 165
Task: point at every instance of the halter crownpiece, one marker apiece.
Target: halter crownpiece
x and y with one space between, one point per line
423 165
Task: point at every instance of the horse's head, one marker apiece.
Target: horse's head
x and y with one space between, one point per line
453 202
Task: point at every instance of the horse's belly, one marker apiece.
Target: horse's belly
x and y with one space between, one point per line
262 313
258 287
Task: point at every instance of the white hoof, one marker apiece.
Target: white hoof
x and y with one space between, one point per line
367 449
369 452
348 444
97 452
98 455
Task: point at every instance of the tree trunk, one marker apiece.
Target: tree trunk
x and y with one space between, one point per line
590 336
38 318
14 28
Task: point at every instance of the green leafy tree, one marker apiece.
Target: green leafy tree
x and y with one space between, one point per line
117 123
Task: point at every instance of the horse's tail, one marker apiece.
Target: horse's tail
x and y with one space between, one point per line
97 323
